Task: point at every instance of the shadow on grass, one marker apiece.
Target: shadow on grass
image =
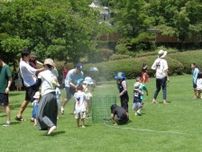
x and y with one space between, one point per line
56 133
16 93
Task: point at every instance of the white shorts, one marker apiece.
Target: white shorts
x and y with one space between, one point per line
80 115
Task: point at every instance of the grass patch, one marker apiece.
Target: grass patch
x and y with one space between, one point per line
162 128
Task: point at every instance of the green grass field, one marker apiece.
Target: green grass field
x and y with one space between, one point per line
162 128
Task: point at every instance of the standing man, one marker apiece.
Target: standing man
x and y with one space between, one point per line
161 67
28 74
71 83
195 72
5 83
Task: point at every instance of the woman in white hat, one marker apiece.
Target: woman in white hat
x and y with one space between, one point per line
160 65
48 109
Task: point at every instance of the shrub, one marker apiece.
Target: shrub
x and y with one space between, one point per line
132 67
188 57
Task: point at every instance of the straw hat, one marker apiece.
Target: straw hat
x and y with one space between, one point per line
49 61
162 53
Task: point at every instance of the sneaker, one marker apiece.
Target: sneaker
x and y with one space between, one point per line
19 118
154 101
51 129
165 102
62 110
7 124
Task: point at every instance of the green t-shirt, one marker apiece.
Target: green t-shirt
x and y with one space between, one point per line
5 74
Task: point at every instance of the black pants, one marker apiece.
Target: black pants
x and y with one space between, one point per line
124 102
161 83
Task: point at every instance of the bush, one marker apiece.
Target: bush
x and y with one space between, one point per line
188 57
132 67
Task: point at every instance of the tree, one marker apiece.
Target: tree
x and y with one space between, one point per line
59 29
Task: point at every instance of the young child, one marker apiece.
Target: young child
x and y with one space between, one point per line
144 74
119 115
143 88
80 106
122 87
58 98
137 93
199 85
88 85
35 104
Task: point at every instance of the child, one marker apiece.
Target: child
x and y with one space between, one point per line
137 106
122 87
88 85
199 85
35 104
144 74
80 106
143 88
119 115
58 98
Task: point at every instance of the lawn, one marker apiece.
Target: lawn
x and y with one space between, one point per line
162 128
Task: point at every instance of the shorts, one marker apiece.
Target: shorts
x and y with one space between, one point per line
80 115
4 99
30 92
69 92
136 106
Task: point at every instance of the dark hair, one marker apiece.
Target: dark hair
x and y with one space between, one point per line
113 108
2 57
25 52
199 75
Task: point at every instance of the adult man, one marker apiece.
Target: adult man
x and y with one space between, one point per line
5 83
161 67
71 83
28 74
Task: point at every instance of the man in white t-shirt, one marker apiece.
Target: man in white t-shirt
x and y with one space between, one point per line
28 74
161 67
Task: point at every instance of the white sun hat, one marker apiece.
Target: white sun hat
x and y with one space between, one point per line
162 53
88 80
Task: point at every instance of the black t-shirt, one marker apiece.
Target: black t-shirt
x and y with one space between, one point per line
121 114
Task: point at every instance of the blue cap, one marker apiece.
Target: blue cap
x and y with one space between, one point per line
79 66
120 76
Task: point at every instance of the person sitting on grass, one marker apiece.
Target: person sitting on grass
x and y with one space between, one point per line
80 106
119 115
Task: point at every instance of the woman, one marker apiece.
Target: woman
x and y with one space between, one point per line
48 109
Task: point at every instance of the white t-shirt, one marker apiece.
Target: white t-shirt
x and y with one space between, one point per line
49 81
80 99
28 73
199 84
73 77
161 67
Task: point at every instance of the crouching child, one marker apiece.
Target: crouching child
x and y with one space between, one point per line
119 115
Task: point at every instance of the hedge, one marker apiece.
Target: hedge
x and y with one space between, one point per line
132 67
